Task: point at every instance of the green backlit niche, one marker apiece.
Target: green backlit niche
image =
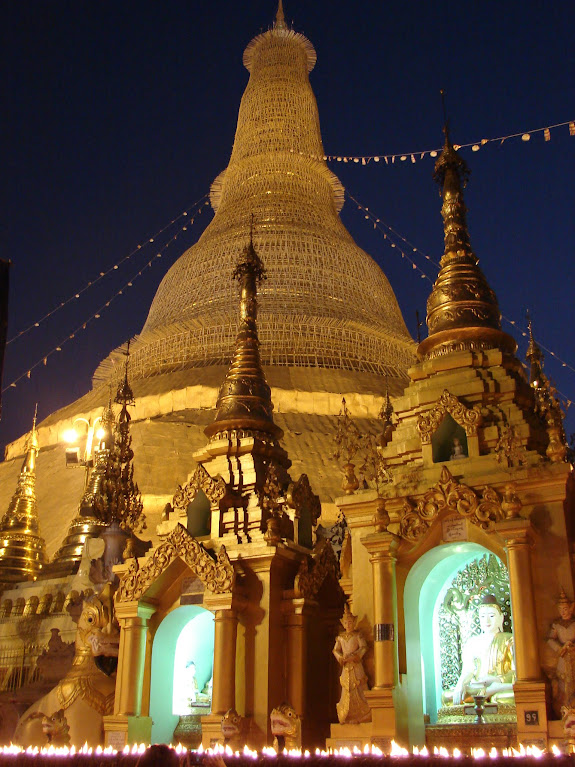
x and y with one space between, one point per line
185 636
428 629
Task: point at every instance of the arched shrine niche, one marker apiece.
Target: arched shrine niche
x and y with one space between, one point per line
182 669
449 430
449 443
443 592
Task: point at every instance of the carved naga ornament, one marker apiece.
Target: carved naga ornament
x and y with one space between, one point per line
468 418
309 580
217 575
200 480
450 496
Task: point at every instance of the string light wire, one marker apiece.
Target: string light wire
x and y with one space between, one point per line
76 295
379 224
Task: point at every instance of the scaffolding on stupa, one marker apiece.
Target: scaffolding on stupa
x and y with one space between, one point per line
326 303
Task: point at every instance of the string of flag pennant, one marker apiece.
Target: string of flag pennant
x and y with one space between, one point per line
390 234
395 239
413 156
196 209
43 361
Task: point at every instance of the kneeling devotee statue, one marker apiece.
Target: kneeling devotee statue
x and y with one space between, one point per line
488 666
349 649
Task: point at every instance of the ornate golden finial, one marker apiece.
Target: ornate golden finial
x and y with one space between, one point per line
462 310
118 498
546 402
534 357
386 415
280 22
22 549
244 400
348 441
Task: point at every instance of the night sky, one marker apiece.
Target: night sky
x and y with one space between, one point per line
118 115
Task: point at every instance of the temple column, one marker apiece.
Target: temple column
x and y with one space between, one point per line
224 685
529 688
295 622
225 608
126 725
382 547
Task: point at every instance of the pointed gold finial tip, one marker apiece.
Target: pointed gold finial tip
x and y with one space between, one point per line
280 22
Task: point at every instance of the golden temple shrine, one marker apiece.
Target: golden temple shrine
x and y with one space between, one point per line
289 524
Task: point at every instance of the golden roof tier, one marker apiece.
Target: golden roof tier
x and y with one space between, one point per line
326 303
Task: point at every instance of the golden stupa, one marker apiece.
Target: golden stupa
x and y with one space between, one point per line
329 323
452 577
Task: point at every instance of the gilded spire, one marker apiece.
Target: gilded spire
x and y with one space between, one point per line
118 498
534 357
462 310
22 549
280 22
547 404
244 400
86 524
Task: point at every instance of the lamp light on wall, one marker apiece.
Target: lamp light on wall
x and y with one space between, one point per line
73 453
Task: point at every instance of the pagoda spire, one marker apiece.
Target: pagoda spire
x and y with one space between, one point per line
280 22
462 310
534 357
244 400
22 549
547 404
86 524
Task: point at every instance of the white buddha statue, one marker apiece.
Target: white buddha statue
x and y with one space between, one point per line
488 666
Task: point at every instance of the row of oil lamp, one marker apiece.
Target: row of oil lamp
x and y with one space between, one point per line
219 750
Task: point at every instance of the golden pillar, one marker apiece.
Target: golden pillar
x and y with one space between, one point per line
517 534
224 686
529 688
295 612
126 724
382 549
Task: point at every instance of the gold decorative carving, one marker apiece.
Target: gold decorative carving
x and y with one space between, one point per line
468 418
215 489
509 448
300 496
309 580
449 496
348 441
217 575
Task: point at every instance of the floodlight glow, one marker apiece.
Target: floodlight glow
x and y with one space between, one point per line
101 433
70 435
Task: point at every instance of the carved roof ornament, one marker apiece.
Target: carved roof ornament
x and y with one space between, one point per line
449 496
468 418
301 497
310 579
217 575
214 489
462 309
509 447
547 404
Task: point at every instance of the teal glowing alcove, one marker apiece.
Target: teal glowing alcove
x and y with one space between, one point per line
425 587
186 633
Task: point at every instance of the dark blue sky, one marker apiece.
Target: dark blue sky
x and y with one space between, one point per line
118 115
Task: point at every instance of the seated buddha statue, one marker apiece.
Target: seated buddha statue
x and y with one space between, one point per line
488 666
